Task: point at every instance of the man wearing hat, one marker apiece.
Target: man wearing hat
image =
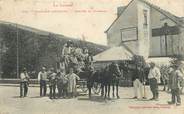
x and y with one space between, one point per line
42 78
67 51
24 79
52 83
175 85
138 80
154 79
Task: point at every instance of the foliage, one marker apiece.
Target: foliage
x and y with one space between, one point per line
35 50
176 60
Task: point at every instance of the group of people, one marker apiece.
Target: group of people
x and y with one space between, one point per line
75 57
65 83
75 60
154 78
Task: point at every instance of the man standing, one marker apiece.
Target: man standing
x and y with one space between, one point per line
42 77
66 53
52 83
175 85
138 80
24 78
154 79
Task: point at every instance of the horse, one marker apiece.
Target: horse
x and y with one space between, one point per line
105 80
110 77
115 75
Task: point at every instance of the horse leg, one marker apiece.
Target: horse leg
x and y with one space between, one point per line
105 91
89 92
109 89
102 90
113 90
117 90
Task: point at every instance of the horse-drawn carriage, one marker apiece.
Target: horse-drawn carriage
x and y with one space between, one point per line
85 72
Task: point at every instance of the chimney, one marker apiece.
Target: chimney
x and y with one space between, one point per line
120 9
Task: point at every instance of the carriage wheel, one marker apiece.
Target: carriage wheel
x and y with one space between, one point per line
96 88
83 87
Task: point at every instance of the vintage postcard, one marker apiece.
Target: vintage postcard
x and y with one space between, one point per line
91 56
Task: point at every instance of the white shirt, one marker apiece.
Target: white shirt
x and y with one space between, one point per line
66 50
42 75
154 73
24 77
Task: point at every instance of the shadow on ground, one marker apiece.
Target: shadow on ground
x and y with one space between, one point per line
96 99
16 97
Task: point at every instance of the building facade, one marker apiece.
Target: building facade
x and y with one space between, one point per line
147 30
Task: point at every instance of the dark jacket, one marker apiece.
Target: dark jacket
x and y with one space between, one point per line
138 74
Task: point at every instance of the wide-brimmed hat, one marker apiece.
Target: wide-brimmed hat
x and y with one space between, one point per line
43 68
152 63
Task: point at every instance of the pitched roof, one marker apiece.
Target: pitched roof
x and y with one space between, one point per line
114 54
171 16
178 20
119 15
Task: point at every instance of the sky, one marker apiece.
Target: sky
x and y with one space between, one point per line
74 18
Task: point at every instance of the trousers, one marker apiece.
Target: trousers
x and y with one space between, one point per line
154 87
138 86
43 87
23 89
175 94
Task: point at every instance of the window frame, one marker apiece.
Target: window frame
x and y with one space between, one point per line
129 29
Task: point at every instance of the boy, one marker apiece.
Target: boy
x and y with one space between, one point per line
72 77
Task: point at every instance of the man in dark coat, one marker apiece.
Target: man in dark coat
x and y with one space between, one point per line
138 79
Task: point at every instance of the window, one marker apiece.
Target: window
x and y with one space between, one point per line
129 34
145 12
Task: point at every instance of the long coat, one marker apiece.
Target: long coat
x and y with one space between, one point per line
72 82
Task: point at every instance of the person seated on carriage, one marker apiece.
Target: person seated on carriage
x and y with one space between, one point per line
72 78
78 52
80 66
88 58
85 54
73 62
66 51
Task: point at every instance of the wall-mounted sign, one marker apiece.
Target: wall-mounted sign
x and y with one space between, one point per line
129 34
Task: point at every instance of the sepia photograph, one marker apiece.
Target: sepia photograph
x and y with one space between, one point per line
91 56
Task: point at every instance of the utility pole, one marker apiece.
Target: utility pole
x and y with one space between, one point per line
166 32
17 38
